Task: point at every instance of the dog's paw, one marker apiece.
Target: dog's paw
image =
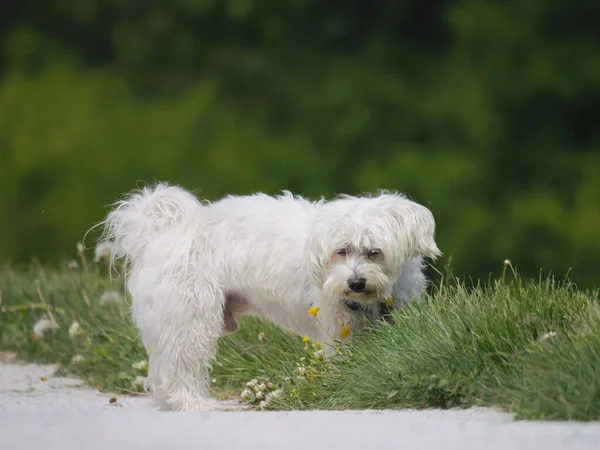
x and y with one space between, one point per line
208 405
202 406
196 405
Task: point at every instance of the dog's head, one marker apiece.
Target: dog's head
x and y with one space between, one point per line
359 245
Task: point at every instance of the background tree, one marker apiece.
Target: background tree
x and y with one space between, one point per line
485 111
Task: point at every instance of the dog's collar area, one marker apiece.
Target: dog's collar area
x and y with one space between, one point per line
384 309
354 306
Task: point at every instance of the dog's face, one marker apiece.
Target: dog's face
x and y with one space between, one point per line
358 246
359 273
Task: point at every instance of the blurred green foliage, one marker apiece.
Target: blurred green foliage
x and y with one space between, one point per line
485 111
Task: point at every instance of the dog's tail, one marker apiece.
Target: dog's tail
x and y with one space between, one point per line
145 219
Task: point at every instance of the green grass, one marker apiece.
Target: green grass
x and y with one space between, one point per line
531 348
483 346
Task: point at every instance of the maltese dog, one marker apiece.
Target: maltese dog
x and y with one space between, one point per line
319 269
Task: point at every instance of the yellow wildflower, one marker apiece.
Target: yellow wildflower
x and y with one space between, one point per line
345 331
304 338
313 311
389 301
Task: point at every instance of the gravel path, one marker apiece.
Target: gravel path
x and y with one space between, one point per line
40 411
32 387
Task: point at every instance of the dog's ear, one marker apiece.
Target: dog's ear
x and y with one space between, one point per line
316 254
413 224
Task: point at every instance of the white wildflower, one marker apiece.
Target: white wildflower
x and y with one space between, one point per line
103 250
110 297
252 383
77 359
138 381
246 394
260 395
75 329
548 335
276 394
80 248
45 327
300 373
507 262
287 379
263 404
261 336
213 380
261 387
140 365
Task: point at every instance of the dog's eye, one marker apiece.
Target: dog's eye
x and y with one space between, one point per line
342 252
374 253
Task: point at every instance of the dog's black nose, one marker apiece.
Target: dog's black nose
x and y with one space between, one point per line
357 284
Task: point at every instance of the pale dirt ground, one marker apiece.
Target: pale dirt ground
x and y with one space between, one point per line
40 411
32 387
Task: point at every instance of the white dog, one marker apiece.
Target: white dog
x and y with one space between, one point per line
195 268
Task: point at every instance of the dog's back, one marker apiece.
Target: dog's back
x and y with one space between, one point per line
258 243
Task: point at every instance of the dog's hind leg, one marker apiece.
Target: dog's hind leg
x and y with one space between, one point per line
180 326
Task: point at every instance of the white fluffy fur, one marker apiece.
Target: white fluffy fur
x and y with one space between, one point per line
194 268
